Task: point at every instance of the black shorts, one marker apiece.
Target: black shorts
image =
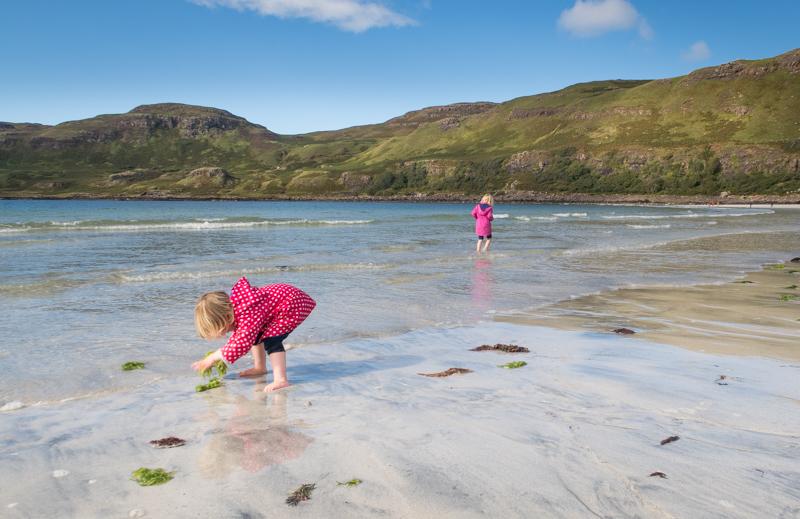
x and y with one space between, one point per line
272 344
482 237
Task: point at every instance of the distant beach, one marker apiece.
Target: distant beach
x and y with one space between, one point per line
576 432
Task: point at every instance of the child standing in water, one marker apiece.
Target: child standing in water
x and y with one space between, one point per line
256 316
483 226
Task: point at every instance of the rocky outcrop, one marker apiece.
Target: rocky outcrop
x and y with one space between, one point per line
740 68
208 172
353 182
790 61
576 112
125 177
437 113
448 123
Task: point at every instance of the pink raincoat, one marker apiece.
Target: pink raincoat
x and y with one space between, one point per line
483 226
273 309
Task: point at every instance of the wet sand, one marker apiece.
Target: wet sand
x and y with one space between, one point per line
741 317
574 433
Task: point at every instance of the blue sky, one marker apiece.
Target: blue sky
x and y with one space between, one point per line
297 66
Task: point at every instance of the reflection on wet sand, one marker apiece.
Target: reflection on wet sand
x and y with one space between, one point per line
255 436
730 319
481 288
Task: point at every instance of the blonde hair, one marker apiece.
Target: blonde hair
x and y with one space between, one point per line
487 199
213 314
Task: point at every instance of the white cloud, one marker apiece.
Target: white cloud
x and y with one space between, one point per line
697 52
596 17
350 15
645 31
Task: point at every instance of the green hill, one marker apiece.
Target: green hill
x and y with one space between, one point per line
728 128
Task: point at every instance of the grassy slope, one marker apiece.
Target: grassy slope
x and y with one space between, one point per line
749 123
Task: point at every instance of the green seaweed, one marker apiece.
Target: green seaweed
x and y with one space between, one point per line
130 366
513 365
301 494
792 271
214 382
788 297
222 370
151 477
351 483
790 287
775 267
743 282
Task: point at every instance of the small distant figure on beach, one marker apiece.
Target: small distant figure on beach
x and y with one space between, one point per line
483 226
256 316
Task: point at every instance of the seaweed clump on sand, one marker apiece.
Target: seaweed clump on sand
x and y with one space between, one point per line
451 371
130 366
513 365
151 477
222 370
670 440
775 267
624 331
508 348
790 287
659 474
788 297
168 443
351 483
301 494
743 282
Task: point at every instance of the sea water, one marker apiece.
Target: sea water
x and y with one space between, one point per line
86 286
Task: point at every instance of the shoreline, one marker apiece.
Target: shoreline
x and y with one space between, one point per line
520 197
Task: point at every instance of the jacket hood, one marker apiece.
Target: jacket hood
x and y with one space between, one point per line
482 211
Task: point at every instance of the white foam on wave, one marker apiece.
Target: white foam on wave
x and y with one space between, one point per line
154 277
501 216
198 224
567 215
632 226
529 218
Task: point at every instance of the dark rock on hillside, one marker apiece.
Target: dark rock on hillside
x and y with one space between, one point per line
208 172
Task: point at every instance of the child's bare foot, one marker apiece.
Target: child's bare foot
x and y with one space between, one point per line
252 371
277 384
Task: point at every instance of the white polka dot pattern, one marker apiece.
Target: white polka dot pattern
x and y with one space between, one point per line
272 309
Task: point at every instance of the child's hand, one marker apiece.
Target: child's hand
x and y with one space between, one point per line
202 365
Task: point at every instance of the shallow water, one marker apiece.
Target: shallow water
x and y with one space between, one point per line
89 285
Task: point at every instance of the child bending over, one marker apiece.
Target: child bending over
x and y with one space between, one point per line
256 316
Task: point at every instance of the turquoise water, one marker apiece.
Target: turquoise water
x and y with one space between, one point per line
89 285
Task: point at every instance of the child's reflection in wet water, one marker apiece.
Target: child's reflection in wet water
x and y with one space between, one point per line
481 288
255 436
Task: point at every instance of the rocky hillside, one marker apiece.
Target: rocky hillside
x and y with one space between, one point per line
732 128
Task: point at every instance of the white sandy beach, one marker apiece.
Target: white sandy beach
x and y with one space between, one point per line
575 433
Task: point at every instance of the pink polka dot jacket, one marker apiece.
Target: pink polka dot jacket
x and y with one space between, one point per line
272 309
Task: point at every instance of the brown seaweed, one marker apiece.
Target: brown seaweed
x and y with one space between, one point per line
718 381
670 440
659 474
301 494
168 443
451 371
508 348
624 331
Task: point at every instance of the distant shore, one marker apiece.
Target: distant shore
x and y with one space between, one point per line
514 197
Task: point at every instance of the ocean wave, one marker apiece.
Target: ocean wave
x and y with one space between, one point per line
529 218
196 224
501 216
667 226
178 275
566 215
